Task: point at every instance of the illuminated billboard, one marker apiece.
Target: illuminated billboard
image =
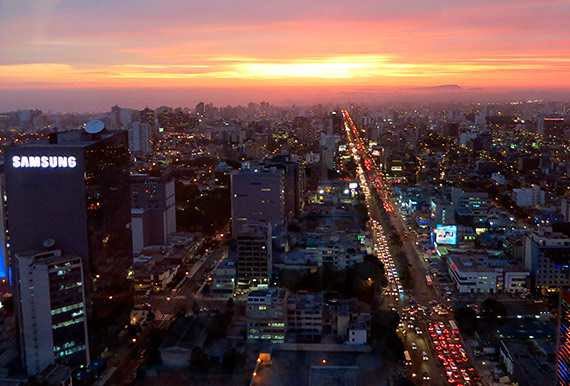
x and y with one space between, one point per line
446 234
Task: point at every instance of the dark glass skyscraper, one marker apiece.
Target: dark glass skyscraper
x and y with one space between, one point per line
563 361
74 190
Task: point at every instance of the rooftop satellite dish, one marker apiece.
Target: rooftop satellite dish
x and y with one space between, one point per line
95 126
48 243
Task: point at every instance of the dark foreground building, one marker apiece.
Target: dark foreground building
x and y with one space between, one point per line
72 193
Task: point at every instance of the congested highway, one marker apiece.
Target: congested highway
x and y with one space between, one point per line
434 350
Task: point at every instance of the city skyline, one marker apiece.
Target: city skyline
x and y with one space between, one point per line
276 51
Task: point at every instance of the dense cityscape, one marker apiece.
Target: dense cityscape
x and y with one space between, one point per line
284 193
266 245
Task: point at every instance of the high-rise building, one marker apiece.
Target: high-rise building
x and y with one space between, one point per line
147 116
153 210
254 255
257 194
52 309
139 137
293 180
328 146
563 338
4 260
125 117
74 189
115 116
200 109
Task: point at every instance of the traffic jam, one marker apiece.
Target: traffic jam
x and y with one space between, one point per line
442 335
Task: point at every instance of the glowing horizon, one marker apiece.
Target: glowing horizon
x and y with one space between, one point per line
122 45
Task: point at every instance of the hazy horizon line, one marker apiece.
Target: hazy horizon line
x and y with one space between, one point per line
99 100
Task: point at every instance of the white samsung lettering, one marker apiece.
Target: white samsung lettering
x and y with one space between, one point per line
44 161
34 161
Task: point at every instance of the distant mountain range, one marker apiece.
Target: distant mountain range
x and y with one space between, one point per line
445 87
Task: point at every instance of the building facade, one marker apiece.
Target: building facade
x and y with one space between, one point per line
153 210
139 137
563 360
472 275
257 194
266 313
254 255
305 317
74 189
526 197
547 258
52 309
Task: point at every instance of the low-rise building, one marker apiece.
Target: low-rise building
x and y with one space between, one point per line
479 274
223 283
266 312
349 320
528 196
305 317
186 334
153 272
527 363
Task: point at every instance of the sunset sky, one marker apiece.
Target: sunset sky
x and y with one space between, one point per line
56 46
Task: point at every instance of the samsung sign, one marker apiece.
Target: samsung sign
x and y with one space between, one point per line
44 161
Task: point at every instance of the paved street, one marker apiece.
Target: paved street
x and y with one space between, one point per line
435 349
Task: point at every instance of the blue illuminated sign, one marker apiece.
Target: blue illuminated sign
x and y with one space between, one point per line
446 234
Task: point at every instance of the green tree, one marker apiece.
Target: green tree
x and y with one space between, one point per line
198 359
395 239
466 320
492 308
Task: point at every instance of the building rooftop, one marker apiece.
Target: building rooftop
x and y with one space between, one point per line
480 263
334 376
72 138
186 332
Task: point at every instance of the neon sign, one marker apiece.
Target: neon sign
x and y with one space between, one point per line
44 161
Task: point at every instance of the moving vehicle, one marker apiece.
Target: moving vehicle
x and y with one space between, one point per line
407 358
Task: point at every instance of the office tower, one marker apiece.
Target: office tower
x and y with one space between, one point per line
153 210
328 146
563 360
257 194
335 124
147 116
125 117
200 109
52 309
115 116
254 255
139 137
547 258
74 189
293 180
4 259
